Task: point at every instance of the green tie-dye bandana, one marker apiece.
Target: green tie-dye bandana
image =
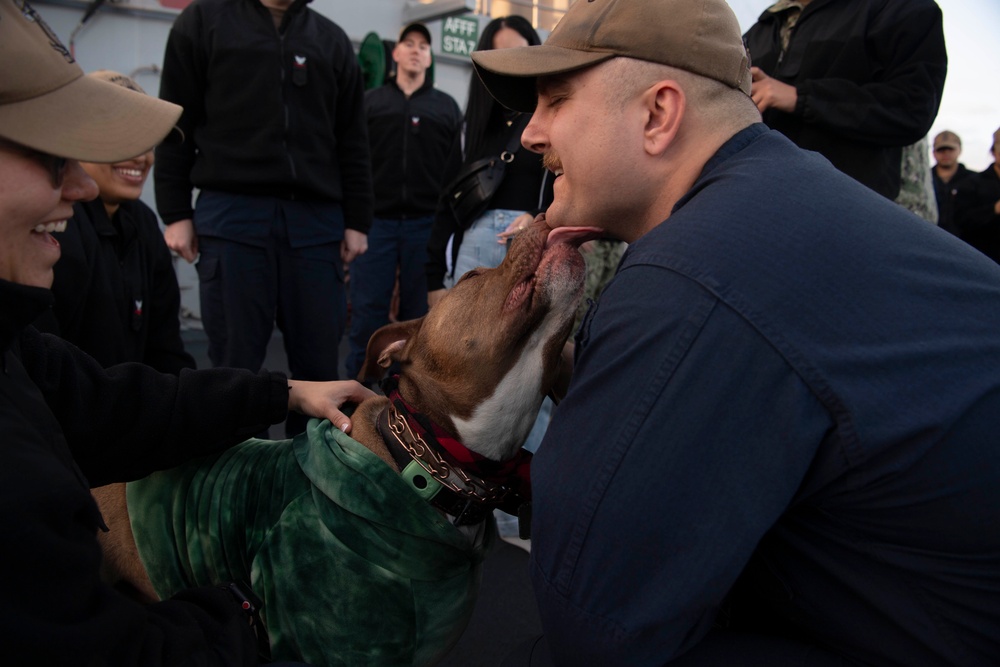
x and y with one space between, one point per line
353 567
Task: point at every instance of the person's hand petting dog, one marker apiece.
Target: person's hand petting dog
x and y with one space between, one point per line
519 223
324 399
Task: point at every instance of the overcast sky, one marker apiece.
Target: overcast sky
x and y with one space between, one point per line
971 103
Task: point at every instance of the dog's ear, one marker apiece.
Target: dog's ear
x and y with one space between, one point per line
384 347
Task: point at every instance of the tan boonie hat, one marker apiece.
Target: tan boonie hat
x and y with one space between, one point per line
698 36
46 102
947 139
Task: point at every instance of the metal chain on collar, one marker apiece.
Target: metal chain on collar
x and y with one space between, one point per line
454 479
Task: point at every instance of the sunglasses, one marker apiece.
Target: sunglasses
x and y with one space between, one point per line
55 166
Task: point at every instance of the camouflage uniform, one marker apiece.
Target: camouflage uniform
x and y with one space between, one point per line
602 262
916 189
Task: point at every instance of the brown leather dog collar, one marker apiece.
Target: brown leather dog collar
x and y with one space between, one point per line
450 476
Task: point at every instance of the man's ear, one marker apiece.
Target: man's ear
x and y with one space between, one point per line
665 104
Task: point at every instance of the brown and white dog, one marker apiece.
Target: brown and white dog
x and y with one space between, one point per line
473 371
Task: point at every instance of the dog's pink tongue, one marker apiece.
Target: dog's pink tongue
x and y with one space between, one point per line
574 236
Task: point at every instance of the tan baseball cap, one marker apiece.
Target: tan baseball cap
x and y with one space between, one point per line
698 36
117 78
47 103
947 139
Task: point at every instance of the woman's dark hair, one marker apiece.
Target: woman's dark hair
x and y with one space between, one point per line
482 111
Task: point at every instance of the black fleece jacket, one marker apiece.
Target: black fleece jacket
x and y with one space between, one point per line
975 211
944 194
869 76
69 424
116 294
411 140
267 111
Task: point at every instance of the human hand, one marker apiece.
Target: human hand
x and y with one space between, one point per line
354 244
519 223
180 238
435 296
323 399
769 93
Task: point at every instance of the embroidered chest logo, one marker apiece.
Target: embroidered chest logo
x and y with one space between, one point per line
299 72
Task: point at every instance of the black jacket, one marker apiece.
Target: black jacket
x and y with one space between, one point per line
975 213
869 76
68 424
945 193
266 112
116 294
410 143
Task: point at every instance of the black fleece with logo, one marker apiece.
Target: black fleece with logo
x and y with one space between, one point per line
116 294
267 111
411 140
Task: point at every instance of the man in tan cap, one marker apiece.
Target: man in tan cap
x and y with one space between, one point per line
947 174
777 445
68 424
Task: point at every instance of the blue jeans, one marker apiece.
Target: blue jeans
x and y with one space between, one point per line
391 244
479 243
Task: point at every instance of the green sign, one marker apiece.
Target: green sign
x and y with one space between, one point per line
459 35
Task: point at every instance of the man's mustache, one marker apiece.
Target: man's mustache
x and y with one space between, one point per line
551 162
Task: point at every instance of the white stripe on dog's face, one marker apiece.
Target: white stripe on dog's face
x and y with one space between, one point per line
500 425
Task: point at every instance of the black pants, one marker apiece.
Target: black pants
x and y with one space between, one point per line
270 277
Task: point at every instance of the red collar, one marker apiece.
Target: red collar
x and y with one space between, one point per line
511 478
457 454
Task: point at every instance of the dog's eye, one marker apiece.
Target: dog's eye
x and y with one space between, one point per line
469 275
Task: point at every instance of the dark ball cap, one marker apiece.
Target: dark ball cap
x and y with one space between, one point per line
415 27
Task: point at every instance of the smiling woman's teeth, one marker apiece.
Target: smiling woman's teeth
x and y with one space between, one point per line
51 227
132 173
